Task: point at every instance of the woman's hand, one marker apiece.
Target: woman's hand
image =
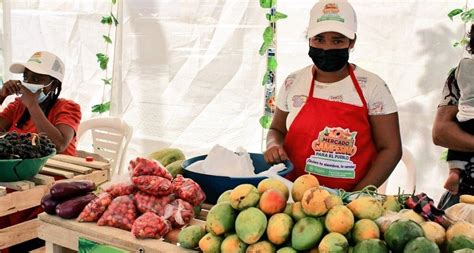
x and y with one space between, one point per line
275 154
10 87
28 98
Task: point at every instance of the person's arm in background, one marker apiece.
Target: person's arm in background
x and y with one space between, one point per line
276 136
386 135
447 133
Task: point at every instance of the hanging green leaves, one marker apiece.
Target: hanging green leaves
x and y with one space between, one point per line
107 39
454 12
466 17
103 59
101 108
106 20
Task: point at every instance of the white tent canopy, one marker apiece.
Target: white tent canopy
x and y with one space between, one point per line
191 73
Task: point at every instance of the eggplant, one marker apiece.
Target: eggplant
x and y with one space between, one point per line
68 190
49 204
72 208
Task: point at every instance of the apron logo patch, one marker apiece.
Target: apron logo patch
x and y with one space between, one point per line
332 153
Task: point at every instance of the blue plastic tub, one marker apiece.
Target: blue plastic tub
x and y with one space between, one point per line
214 186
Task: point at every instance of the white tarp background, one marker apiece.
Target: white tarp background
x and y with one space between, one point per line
192 74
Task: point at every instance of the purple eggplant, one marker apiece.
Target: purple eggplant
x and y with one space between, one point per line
68 190
49 204
72 208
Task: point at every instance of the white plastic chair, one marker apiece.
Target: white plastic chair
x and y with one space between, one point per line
408 162
110 138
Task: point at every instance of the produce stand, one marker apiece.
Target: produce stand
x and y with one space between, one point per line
62 235
22 195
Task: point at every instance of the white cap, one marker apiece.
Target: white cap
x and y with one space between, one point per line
332 16
42 62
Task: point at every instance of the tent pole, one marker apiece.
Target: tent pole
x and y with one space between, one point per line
116 107
7 39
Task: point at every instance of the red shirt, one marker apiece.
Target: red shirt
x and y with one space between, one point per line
64 112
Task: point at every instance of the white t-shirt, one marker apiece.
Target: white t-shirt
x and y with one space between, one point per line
294 91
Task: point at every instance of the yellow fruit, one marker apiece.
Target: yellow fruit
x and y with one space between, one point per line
412 215
434 232
339 219
468 199
313 201
366 208
365 229
460 228
302 184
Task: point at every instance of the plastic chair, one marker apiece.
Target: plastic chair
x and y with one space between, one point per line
110 138
409 164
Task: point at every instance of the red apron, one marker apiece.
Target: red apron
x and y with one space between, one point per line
332 140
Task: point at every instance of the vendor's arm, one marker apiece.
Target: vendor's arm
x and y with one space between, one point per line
276 136
447 133
386 134
61 135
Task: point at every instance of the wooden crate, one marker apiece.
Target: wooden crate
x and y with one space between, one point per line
22 195
62 235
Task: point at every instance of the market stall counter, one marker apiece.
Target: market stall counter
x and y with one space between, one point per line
62 234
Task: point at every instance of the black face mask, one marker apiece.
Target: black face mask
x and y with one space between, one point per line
329 60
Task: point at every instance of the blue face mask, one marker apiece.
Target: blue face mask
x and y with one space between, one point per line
35 87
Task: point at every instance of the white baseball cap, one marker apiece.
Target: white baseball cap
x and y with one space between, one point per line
42 62
332 16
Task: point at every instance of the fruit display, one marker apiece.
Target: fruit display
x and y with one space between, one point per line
259 219
15 145
149 206
68 199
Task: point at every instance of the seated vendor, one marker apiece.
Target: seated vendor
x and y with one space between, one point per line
38 108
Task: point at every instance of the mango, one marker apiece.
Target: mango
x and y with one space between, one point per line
371 246
460 228
366 208
313 201
288 208
167 156
286 250
279 228
459 242
250 225
302 184
261 247
221 218
411 215
333 243
272 202
391 203
225 196
400 232
339 219
210 243
189 236
333 201
243 196
233 244
175 168
272 183
434 232
306 233
365 229
421 245
297 211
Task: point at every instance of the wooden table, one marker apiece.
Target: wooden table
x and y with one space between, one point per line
61 234
22 195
